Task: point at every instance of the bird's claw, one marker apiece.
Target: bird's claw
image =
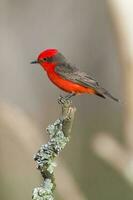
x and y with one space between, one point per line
64 100
60 99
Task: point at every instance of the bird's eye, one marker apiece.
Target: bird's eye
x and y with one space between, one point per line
45 59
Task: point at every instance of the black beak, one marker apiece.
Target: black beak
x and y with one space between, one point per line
34 62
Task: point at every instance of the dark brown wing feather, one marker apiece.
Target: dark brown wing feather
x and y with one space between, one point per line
69 72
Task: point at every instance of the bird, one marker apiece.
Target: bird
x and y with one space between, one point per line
68 77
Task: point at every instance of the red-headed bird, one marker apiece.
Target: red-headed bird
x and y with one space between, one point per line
67 77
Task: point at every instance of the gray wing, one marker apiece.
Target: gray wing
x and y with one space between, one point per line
69 72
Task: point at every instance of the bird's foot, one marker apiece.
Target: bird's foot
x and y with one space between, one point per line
64 100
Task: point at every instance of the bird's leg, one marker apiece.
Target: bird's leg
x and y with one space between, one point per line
62 99
69 96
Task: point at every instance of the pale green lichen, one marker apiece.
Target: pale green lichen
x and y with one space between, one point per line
45 160
44 192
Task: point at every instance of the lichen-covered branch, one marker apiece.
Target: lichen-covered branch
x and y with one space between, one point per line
45 157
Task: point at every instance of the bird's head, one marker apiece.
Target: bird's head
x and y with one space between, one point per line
48 58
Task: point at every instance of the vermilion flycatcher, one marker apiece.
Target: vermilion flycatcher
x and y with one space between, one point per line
67 77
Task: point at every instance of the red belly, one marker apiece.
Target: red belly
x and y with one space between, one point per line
67 85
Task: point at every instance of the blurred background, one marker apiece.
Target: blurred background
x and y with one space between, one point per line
96 36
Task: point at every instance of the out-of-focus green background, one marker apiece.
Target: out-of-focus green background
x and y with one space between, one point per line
83 31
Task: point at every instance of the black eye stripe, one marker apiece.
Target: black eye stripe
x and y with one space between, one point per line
56 58
48 59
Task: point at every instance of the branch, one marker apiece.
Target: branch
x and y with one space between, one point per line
59 136
15 128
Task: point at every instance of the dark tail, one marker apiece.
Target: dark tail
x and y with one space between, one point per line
104 93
